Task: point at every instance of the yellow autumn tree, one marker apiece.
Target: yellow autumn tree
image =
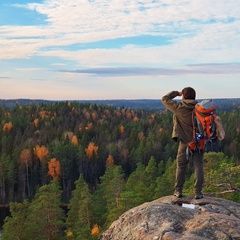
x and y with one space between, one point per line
69 234
36 122
91 107
91 150
54 169
153 115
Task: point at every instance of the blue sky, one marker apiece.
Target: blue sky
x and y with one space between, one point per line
118 49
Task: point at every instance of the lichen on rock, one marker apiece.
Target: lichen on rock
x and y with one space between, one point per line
170 218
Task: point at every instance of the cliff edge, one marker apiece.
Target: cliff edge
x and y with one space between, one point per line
169 218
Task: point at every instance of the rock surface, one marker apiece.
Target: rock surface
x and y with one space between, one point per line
169 218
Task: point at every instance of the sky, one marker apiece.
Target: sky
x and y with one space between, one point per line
118 49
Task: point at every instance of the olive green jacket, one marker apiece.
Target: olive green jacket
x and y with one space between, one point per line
182 116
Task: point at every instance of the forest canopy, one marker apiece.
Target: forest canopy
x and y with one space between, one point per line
108 158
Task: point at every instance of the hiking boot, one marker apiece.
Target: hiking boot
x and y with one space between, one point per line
178 194
199 196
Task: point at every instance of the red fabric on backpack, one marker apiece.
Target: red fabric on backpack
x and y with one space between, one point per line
204 128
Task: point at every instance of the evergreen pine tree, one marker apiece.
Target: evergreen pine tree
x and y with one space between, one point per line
165 182
113 193
79 215
110 193
151 172
135 192
46 217
15 225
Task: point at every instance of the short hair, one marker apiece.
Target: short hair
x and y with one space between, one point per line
189 93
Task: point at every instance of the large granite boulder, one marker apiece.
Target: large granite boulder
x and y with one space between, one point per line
169 218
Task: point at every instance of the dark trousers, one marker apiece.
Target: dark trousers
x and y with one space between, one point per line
182 162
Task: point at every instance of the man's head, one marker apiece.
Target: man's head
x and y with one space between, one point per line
189 93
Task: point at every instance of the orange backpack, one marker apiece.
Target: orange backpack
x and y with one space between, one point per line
204 128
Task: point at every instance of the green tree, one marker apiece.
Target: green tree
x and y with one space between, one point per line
15 225
67 156
12 173
222 176
165 182
136 191
3 177
46 217
141 184
110 192
79 216
151 172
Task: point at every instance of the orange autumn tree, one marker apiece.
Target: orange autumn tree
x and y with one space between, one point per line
26 157
95 230
123 111
110 161
44 114
94 116
91 150
122 129
54 169
69 234
135 119
89 126
7 126
7 114
129 115
74 140
41 152
36 122
25 160
153 116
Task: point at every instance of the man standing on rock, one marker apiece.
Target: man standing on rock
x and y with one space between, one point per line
183 132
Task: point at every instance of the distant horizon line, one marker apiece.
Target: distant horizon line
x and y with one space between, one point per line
119 99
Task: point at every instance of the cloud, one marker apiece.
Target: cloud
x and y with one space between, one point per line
29 69
230 69
58 64
197 28
189 50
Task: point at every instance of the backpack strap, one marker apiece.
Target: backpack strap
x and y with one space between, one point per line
191 146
